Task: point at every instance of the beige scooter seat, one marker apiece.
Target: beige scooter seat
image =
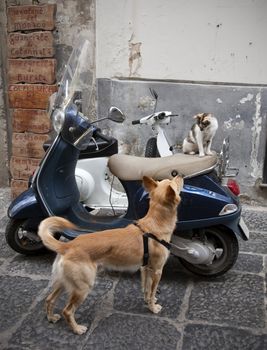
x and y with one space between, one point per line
128 167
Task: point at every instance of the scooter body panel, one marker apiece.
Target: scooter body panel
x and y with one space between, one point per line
25 206
94 185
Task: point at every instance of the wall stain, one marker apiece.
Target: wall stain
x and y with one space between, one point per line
256 131
135 58
248 98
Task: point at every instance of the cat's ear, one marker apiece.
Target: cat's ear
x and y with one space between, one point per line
198 116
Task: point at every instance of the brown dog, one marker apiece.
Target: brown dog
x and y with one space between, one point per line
121 249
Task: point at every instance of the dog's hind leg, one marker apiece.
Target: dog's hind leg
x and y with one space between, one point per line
79 283
50 303
75 300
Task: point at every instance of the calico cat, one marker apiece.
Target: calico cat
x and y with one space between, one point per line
200 136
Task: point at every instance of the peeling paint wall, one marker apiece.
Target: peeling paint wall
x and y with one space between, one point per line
241 112
172 46
208 40
200 56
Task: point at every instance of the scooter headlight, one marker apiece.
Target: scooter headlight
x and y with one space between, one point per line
57 119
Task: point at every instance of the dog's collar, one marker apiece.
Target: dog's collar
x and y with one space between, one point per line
147 235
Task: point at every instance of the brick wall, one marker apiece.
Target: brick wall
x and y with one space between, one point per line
31 76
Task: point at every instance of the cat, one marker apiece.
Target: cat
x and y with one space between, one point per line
199 138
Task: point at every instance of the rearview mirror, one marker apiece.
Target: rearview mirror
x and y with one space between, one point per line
116 115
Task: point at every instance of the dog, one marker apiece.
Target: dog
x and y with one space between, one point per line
75 266
199 138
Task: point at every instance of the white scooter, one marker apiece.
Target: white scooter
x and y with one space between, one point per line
94 180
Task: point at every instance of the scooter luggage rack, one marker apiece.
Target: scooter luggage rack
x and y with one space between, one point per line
224 170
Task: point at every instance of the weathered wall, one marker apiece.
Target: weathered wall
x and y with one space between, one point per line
241 113
200 56
208 40
73 19
164 44
4 175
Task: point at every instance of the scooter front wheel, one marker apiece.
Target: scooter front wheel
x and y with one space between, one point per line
223 240
21 240
151 148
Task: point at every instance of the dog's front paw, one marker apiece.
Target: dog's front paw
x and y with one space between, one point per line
209 153
54 318
201 155
80 329
155 308
147 300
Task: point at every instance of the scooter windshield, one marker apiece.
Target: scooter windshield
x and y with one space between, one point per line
77 79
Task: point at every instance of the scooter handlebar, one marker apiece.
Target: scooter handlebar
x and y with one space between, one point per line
134 122
161 115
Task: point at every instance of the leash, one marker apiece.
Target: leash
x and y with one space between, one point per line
146 236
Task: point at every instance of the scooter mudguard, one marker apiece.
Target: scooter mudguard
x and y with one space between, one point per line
26 206
201 205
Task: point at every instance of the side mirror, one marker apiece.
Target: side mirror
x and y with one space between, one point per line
116 115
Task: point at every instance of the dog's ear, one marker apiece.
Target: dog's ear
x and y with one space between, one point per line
171 194
149 183
179 181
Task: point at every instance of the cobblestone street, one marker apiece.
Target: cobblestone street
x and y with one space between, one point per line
228 312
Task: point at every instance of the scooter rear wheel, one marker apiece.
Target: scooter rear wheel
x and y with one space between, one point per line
22 241
223 239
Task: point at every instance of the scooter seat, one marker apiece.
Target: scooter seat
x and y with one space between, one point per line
127 167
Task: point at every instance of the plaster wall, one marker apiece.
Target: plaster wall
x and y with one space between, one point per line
208 40
240 110
200 56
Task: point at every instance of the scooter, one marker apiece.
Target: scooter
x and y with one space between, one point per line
93 178
205 238
94 181
158 145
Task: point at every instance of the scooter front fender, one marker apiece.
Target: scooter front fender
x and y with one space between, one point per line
25 206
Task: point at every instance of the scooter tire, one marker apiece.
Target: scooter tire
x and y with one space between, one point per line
151 148
221 238
19 242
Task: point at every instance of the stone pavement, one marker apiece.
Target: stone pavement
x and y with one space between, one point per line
228 312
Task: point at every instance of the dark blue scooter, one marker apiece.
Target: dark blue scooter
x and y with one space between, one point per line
205 238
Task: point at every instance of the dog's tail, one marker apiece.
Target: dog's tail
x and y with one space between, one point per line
48 227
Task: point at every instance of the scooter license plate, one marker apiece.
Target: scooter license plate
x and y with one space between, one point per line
244 227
